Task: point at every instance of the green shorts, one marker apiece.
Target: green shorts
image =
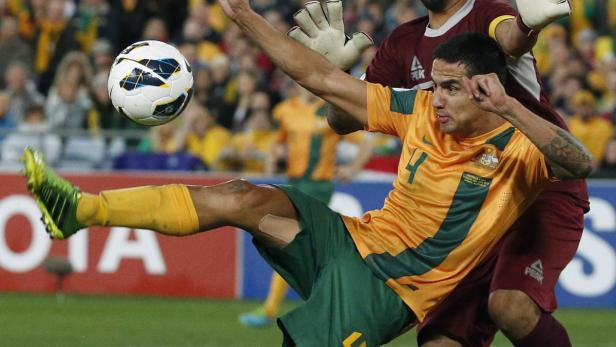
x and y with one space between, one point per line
321 190
345 303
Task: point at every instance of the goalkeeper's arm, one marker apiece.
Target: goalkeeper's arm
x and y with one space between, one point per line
307 67
518 35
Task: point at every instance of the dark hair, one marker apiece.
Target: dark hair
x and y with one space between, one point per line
478 52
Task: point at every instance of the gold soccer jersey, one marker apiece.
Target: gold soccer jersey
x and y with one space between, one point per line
311 142
451 201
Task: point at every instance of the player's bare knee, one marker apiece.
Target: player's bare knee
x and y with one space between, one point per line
251 197
513 311
276 231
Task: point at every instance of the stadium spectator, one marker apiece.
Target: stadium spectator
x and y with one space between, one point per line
67 106
155 29
22 90
33 131
403 11
172 12
564 87
203 137
235 112
219 94
6 120
12 47
591 129
206 43
208 16
90 22
69 102
607 169
162 139
126 18
607 102
250 145
53 40
101 56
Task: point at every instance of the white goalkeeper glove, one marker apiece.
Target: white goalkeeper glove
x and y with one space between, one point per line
536 14
327 37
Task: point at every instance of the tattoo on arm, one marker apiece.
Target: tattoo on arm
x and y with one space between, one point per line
566 153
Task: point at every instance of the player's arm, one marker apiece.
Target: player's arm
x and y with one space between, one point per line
308 68
518 35
565 156
512 39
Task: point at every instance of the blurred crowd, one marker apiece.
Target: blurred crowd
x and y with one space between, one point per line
55 56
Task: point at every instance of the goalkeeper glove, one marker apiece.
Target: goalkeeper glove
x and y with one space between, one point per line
536 14
327 37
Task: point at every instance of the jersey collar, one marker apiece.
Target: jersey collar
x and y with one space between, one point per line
452 21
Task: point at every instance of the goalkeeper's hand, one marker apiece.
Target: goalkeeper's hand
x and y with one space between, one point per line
536 14
327 37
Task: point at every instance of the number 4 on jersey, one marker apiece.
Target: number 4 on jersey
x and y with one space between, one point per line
412 168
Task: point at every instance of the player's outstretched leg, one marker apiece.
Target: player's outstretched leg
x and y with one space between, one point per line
56 198
175 209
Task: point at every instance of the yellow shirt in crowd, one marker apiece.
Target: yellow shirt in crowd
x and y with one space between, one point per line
595 133
209 146
252 146
311 142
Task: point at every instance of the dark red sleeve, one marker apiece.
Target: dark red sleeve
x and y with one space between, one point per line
386 67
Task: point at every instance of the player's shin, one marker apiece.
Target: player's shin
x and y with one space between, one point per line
167 209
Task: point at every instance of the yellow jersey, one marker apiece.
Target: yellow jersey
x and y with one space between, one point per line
595 133
311 142
252 147
209 146
451 201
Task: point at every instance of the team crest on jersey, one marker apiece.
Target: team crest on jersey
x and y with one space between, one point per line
487 159
418 72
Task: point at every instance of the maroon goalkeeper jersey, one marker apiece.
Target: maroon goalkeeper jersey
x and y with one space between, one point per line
404 60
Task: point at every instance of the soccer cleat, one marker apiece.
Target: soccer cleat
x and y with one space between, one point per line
56 197
256 318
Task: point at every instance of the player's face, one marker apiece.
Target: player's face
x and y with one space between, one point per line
456 113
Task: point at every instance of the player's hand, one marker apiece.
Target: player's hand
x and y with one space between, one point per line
233 8
536 14
327 37
488 93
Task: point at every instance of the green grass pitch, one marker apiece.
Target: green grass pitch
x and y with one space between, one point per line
45 320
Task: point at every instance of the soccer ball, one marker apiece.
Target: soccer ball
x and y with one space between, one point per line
150 83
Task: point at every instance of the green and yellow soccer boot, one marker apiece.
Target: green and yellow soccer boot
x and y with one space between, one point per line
56 197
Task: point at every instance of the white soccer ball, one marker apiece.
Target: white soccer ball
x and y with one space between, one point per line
150 82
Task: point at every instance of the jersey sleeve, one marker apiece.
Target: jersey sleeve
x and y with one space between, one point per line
390 111
491 13
386 65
